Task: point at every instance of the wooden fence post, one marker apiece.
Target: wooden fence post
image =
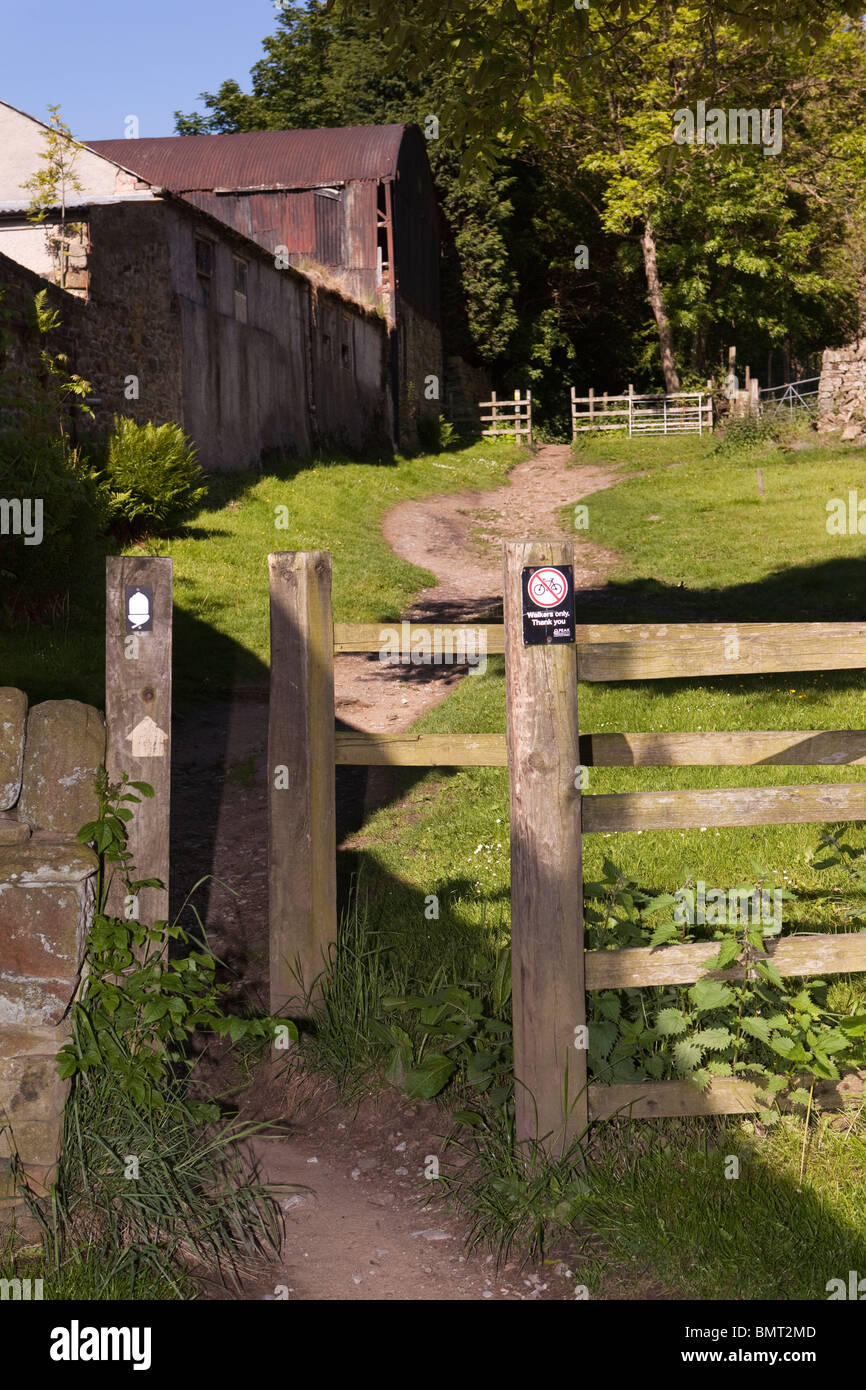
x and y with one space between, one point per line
546 876
591 406
138 647
302 848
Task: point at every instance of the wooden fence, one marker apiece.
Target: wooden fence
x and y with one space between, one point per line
543 749
681 412
512 418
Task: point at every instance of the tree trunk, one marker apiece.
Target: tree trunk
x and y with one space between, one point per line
657 304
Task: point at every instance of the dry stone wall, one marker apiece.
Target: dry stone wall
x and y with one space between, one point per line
48 757
842 391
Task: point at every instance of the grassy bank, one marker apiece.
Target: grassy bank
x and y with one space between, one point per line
221 576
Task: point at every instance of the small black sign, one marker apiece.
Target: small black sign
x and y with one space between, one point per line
548 604
139 608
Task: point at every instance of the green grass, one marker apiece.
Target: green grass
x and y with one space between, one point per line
717 548
454 839
661 1202
221 575
82 1277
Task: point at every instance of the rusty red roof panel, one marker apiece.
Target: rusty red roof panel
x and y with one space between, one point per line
260 159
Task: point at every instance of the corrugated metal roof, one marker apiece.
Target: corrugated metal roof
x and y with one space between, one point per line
260 159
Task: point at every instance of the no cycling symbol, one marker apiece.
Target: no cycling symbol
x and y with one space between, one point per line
548 604
548 587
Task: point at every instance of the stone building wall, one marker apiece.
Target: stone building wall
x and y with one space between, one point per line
242 373
48 757
842 391
418 342
349 362
20 342
465 386
132 323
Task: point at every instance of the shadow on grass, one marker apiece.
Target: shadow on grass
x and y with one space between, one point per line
661 1200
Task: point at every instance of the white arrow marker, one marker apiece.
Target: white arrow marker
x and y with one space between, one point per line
148 740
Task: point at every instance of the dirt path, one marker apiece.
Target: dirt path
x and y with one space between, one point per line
359 1229
459 537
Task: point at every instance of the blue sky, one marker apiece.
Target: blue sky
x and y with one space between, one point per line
104 60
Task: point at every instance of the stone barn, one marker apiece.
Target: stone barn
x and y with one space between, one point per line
357 203
277 290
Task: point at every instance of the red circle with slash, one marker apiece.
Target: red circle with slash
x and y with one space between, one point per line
548 587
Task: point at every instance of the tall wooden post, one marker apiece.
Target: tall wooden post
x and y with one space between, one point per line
546 873
138 648
302 842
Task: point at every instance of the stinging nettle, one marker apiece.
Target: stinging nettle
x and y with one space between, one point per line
714 907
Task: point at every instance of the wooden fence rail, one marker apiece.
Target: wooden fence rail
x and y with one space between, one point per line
543 748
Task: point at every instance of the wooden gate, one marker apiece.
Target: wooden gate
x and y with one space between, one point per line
544 752
681 412
508 419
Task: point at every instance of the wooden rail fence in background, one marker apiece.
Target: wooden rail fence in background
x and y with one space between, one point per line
680 412
543 749
512 418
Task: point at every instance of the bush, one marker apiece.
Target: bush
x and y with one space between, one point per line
745 432
435 433
150 477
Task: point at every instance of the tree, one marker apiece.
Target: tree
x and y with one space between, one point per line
606 82
51 186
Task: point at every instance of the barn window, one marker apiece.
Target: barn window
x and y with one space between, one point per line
240 284
203 257
383 269
345 351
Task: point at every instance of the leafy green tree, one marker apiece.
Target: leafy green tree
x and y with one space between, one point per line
604 82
